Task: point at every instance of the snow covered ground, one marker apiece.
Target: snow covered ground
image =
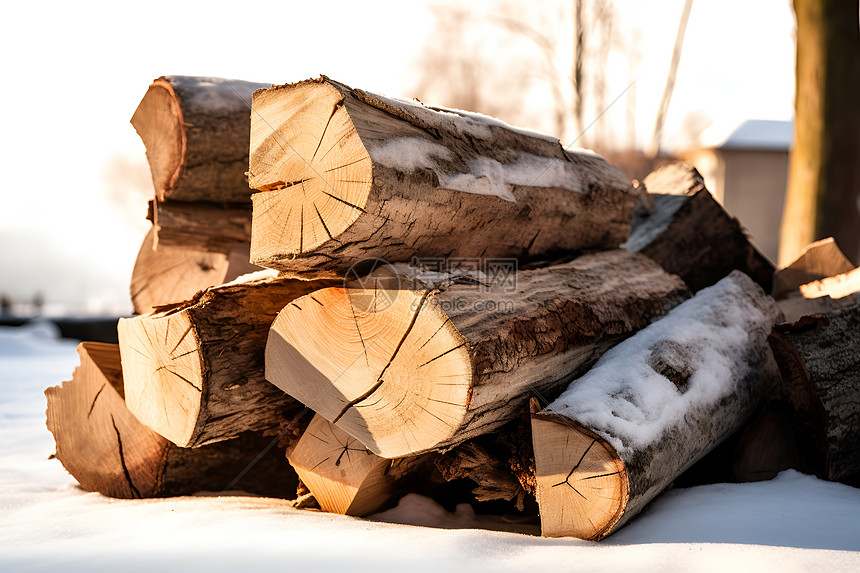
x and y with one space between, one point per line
793 523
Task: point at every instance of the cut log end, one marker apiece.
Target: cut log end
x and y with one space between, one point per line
581 482
318 188
343 475
395 373
158 121
163 373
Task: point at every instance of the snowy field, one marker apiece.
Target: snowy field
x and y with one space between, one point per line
47 523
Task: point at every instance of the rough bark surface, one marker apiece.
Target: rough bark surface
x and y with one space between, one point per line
595 469
196 133
109 451
171 274
194 371
691 235
818 356
206 227
418 370
345 175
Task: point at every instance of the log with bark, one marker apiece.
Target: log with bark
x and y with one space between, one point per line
820 364
206 227
345 175
194 371
818 260
343 475
651 407
170 274
196 133
109 451
407 371
691 235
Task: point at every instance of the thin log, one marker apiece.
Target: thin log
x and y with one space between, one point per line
651 407
109 451
818 260
407 371
194 371
345 175
196 133
690 234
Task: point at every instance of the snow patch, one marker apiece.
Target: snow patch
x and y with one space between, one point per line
630 404
484 176
264 274
215 95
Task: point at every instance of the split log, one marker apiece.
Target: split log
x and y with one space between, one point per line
109 451
194 371
196 133
689 234
171 274
651 407
820 364
207 227
345 175
836 287
407 371
818 260
344 476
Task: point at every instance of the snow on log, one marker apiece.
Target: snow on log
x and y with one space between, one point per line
109 451
820 363
344 175
196 133
411 370
690 234
170 274
651 407
194 371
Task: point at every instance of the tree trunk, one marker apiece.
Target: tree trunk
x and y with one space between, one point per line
207 227
823 196
194 371
418 370
196 133
818 358
343 475
169 274
689 234
818 260
652 407
345 175
107 450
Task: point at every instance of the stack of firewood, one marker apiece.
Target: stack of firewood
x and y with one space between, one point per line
445 298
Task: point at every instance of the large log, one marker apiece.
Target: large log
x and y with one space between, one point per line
651 407
196 132
171 274
345 174
194 371
690 234
820 364
344 476
109 451
407 371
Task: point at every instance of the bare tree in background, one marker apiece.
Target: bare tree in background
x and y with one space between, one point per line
499 63
823 196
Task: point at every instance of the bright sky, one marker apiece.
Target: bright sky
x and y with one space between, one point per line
73 73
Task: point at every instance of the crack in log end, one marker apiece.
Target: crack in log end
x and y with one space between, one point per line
96 397
279 185
134 490
361 398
